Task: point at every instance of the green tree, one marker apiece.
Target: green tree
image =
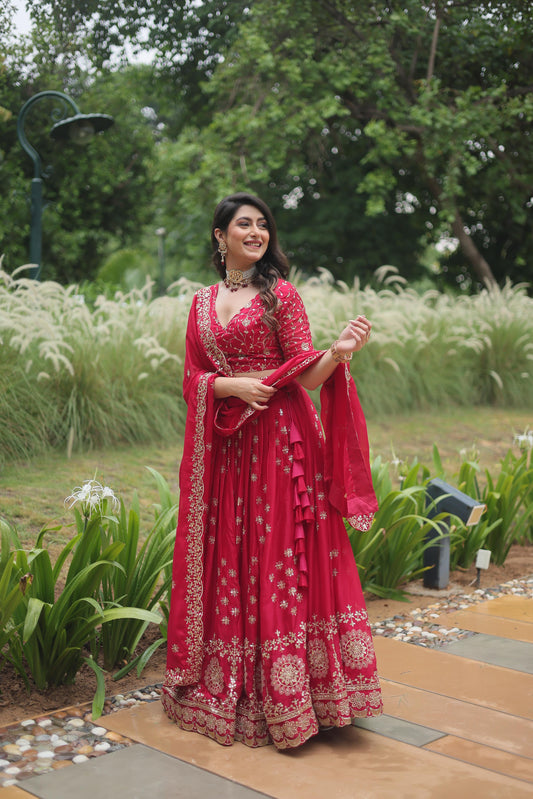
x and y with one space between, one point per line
420 113
439 93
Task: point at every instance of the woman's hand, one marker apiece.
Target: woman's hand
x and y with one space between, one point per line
254 392
354 336
248 389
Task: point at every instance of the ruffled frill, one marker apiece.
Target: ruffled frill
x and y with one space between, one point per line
303 512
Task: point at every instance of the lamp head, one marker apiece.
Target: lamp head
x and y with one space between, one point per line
81 127
449 499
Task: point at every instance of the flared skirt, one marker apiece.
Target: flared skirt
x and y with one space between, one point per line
287 646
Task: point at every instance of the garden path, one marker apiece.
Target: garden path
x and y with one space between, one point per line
458 722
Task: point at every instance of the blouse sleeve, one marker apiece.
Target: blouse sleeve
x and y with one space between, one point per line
294 334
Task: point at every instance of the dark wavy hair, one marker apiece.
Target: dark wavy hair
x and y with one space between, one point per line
272 266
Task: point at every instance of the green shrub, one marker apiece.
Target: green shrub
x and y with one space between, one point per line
509 503
390 554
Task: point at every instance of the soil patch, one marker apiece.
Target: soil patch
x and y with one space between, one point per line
16 704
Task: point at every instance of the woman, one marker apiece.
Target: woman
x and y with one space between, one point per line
268 636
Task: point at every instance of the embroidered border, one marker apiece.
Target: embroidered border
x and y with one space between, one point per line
203 304
195 535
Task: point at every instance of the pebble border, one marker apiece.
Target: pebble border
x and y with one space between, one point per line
50 742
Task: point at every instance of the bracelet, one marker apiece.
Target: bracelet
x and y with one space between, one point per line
337 357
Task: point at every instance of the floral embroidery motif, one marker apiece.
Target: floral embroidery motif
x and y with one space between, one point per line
317 655
288 674
214 676
357 649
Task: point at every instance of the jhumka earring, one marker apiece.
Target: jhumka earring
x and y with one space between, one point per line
223 249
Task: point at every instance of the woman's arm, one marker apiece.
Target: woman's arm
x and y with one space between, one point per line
248 389
352 339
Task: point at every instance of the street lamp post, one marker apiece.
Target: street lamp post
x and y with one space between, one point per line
79 129
161 233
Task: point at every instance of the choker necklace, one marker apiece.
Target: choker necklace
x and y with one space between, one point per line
236 279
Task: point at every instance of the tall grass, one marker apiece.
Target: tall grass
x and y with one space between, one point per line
430 349
75 375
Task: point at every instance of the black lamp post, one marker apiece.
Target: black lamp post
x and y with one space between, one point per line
79 129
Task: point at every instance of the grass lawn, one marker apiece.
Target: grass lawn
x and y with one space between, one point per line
32 493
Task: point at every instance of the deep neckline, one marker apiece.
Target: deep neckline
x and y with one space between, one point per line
235 315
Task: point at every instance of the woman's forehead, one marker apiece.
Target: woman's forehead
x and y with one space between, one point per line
248 212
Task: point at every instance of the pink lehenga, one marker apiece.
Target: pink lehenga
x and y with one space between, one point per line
268 636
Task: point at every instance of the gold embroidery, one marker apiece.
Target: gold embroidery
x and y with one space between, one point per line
317 655
195 527
288 674
357 649
214 676
203 306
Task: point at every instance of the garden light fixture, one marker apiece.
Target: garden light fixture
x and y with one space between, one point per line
445 498
79 128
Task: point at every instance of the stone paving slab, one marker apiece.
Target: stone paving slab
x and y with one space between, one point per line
509 654
492 625
399 730
457 677
460 718
12 792
487 757
508 607
136 773
343 764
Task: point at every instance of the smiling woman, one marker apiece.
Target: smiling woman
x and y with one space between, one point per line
268 635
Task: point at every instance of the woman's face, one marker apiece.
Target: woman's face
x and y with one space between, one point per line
246 238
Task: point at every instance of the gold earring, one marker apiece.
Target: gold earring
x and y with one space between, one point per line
223 249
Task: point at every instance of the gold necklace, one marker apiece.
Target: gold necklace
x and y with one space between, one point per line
236 279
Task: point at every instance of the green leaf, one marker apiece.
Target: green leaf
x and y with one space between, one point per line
99 697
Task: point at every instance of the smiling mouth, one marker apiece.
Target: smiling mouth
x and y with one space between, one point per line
256 244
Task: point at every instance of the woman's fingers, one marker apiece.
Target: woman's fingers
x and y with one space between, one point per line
254 392
355 335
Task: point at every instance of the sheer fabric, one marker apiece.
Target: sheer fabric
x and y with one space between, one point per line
268 633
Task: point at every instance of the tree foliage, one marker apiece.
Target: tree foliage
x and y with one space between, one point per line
439 94
373 129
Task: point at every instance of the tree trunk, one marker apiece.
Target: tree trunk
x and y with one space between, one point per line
479 264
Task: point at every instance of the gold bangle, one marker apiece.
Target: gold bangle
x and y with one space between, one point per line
337 357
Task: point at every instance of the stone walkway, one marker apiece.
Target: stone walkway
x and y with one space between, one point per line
458 723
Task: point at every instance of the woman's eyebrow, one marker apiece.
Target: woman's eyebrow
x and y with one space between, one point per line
249 219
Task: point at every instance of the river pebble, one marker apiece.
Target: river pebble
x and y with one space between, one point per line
37 746
419 625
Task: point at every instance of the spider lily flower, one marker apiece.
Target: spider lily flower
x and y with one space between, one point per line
525 440
91 496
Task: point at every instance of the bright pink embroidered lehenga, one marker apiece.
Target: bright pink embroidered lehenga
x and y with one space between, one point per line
268 635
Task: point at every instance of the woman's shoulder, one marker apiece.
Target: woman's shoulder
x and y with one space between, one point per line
285 290
206 291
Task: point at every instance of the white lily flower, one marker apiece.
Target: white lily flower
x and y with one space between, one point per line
525 440
90 496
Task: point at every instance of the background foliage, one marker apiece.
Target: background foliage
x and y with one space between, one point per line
373 129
